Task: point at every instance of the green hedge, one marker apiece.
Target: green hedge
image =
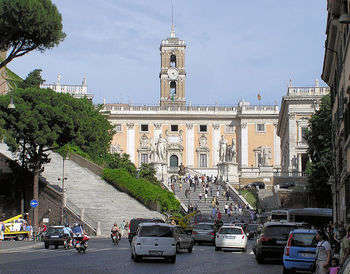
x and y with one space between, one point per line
143 190
250 197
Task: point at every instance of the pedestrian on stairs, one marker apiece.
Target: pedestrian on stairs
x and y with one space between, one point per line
218 193
226 208
211 190
200 196
180 185
205 196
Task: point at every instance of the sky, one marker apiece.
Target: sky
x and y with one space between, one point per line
235 49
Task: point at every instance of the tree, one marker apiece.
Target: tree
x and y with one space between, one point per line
148 172
28 25
33 79
44 120
319 139
120 161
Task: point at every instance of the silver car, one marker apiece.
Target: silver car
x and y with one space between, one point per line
154 240
203 232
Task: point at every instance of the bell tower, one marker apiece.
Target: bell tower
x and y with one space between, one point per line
172 72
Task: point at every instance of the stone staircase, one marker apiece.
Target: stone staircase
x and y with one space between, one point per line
100 201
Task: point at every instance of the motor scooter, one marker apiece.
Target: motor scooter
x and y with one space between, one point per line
80 243
115 237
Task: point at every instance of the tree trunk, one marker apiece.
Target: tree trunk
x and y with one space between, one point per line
36 197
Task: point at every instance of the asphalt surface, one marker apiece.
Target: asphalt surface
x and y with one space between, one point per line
103 257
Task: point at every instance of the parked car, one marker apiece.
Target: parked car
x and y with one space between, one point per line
252 230
133 225
272 240
204 232
183 239
300 251
231 237
287 185
154 240
54 236
259 185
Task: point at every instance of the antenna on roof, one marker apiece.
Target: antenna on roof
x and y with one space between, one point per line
172 34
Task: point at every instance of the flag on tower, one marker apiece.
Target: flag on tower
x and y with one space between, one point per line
259 96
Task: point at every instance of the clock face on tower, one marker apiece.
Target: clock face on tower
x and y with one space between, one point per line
173 73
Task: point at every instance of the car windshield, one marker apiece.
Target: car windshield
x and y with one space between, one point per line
134 224
252 227
304 240
155 231
54 230
278 231
204 227
230 230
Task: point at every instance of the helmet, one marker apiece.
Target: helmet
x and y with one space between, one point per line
76 224
66 225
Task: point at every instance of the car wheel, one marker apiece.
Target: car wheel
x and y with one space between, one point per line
260 260
177 248
190 249
172 259
137 258
217 248
132 256
47 246
56 246
20 238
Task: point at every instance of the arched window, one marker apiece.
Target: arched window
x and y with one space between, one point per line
174 161
172 89
173 61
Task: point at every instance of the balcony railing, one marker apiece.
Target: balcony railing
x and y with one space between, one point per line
290 174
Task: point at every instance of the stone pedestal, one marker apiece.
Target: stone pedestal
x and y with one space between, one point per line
229 172
266 173
161 172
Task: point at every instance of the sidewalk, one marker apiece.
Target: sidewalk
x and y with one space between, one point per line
6 246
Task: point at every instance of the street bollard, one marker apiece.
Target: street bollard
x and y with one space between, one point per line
82 214
98 229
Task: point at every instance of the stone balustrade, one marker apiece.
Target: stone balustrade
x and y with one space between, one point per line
307 91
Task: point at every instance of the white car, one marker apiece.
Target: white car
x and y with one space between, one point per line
230 237
154 240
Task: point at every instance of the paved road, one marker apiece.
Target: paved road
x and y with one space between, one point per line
103 257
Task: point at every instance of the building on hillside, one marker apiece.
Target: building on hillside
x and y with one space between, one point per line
3 76
240 141
297 108
336 69
77 91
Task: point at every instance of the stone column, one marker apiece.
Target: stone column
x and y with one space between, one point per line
277 147
244 145
215 144
189 145
292 139
299 163
130 141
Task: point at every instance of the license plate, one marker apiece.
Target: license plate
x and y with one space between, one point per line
307 255
155 253
230 237
54 236
281 242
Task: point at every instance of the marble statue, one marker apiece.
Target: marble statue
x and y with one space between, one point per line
161 149
231 152
222 149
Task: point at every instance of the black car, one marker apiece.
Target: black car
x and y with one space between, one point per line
286 185
204 232
54 235
134 223
183 239
272 240
260 185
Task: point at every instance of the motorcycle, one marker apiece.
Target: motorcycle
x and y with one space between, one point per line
115 237
81 243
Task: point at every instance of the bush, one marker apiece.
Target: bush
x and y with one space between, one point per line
250 196
143 190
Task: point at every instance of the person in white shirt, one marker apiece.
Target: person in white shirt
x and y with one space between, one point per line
323 253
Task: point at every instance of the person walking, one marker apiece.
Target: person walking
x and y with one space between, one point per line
344 245
218 193
323 253
226 208
200 196
2 231
205 196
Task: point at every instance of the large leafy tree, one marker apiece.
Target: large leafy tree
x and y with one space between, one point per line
319 139
33 79
44 120
27 25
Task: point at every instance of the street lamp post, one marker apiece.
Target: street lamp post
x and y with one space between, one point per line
63 204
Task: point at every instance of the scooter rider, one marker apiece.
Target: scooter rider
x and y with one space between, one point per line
115 230
68 233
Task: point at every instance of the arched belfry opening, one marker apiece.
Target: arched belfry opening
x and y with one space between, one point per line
173 61
172 88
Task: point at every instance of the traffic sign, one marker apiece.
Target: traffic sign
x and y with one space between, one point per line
34 203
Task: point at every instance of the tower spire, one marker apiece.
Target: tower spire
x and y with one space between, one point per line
172 34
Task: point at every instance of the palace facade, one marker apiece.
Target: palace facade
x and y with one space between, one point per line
193 133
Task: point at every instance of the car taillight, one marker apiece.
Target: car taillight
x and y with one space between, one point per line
289 244
264 239
242 237
129 226
194 232
211 233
